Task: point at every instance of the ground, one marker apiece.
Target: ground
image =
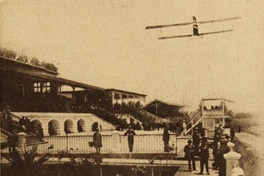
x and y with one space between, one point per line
251 149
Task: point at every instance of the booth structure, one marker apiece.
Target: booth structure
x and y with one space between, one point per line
214 115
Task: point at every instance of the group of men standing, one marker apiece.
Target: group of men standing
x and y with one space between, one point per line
200 147
190 154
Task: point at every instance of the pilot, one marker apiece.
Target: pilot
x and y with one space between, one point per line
195 30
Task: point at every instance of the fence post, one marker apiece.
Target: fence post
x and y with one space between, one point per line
231 157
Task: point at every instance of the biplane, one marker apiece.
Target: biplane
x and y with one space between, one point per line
195 27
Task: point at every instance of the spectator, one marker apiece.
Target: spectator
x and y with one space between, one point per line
130 133
166 139
204 155
9 122
196 141
8 111
232 133
221 160
40 133
97 139
189 154
239 128
27 124
22 122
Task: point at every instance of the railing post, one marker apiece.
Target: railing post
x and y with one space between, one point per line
231 158
21 144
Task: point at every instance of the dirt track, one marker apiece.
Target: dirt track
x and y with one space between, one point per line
252 150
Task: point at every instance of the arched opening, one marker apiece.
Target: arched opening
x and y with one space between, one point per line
95 125
54 127
35 123
81 125
68 126
37 128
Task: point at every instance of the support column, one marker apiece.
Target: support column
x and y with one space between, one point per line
75 128
232 158
61 128
45 127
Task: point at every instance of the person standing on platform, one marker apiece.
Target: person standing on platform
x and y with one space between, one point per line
221 159
130 133
97 139
189 154
204 155
196 141
166 139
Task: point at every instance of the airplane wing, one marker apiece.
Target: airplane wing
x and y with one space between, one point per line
168 25
190 35
188 23
216 32
176 36
219 20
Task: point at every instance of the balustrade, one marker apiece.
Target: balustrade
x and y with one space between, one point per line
143 143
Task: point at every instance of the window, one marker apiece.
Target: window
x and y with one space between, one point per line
37 87
42 87
46 87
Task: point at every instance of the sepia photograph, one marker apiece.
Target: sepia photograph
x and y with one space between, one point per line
132 88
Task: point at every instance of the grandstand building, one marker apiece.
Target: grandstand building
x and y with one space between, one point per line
30 88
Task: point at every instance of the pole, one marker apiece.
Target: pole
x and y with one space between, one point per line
176 144
53 156
130 158
67 142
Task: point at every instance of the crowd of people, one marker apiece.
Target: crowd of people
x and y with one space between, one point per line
199 147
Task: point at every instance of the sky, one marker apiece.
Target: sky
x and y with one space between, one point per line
105 44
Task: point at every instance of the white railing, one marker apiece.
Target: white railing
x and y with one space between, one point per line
143 143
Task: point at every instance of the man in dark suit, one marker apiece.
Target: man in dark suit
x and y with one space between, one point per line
189 154
166 139
204 155
130 133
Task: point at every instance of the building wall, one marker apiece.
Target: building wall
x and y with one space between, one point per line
61 118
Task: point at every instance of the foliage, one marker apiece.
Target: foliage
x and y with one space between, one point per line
8 53
23 58
28 159
28 163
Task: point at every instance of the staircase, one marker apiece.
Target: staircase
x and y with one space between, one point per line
145 115
194 121
31 138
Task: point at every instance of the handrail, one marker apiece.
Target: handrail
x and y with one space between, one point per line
13 115
193 123
197 115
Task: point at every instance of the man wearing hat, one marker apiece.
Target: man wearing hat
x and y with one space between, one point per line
221 160
130 133
97 139
204 155
166 139
196 140
189 154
